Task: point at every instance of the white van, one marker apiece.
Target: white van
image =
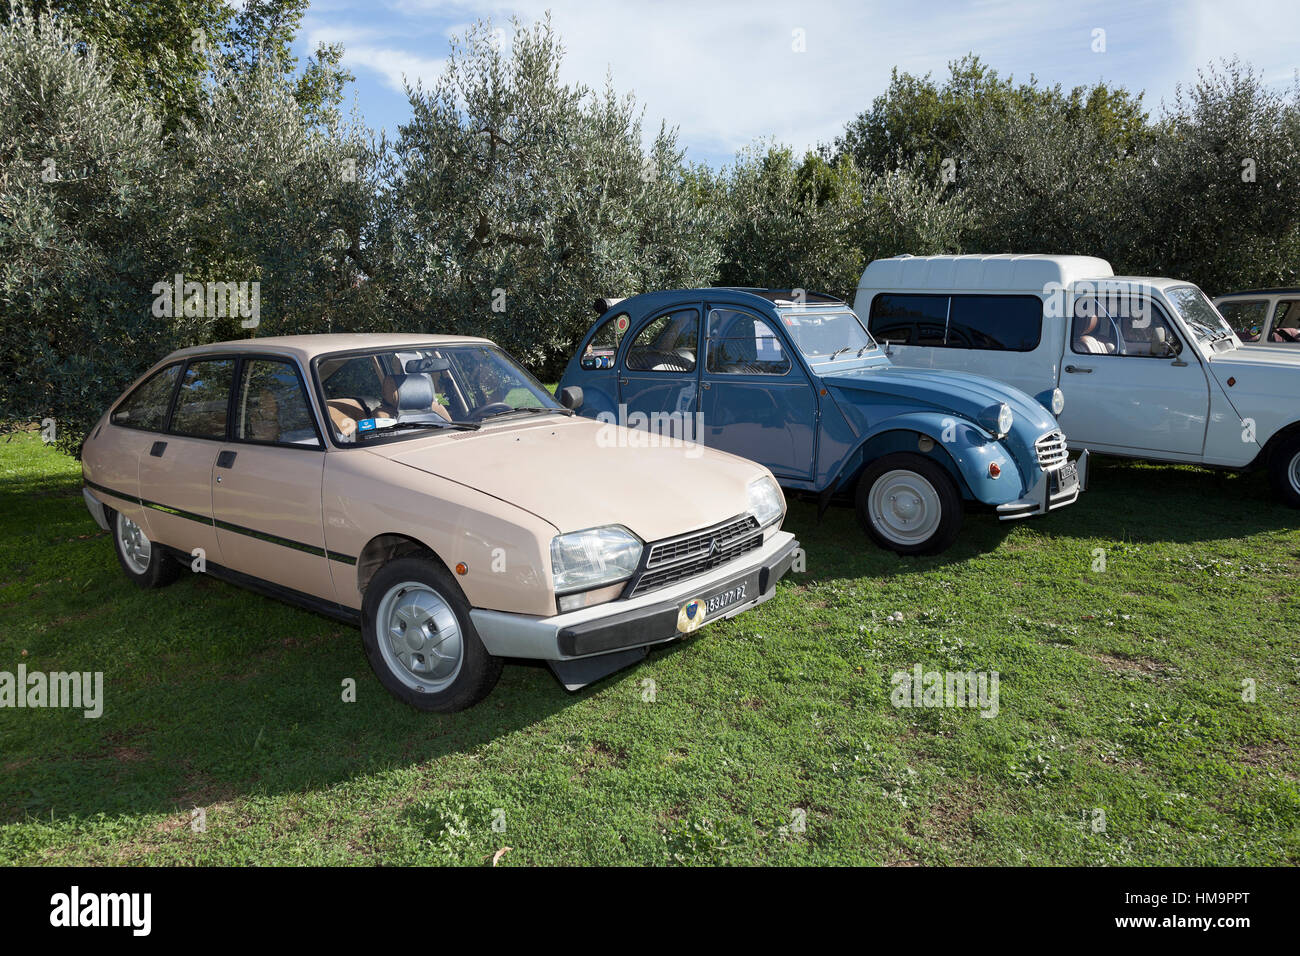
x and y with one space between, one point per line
1147 366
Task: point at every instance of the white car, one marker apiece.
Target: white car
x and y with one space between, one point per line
1268 318
1148 367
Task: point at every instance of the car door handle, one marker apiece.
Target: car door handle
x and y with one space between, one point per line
158 448
226 459
1078 368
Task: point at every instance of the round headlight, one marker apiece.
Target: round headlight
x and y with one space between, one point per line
997 419
1058 401
589 559
766 503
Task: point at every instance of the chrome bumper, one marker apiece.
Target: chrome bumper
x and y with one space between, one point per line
1043 498
638 622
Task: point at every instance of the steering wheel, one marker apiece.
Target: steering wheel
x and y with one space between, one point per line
490 409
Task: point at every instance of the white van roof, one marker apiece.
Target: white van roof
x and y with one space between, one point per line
1002 273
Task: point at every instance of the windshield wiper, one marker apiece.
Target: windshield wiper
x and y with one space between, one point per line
531 410
847 348
455 426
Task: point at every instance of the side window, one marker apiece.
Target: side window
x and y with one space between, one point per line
272 406
1005 323
667 344
203 399
1127 325
1246 317
146 406
1286 321
909 319
602 348
744 344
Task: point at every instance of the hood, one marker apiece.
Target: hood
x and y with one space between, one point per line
577 473
956 392
1265 383
884 391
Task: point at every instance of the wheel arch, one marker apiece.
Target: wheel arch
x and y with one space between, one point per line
900 437
383 548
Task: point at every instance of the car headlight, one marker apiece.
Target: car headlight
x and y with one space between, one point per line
598 556
766 503
1053 401
997 419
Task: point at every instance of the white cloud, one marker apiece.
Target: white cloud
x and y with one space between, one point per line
725 73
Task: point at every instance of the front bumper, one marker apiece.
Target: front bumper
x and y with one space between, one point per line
1048 495
637 623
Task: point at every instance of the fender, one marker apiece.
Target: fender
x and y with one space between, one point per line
964 449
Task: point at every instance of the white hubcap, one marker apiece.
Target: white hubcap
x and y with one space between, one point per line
135 547
1293 473
904 507
419 637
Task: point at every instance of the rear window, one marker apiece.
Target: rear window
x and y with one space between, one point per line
1003 323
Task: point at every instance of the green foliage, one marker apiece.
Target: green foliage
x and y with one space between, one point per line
98 204
511 199
519 198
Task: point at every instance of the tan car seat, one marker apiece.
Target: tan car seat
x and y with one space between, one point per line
1087 342
345 413
389 390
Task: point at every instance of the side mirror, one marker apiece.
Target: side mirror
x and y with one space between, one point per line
571 397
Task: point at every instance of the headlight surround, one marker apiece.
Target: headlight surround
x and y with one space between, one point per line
997 419
582 560
766 502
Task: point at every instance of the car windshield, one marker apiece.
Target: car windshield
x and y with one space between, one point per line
408 391
1199 313
824 334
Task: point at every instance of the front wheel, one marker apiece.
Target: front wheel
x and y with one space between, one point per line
909 504
1284 471
418 637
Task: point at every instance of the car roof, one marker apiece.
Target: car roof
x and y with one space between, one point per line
1277 291
741 295
307 347
1002 273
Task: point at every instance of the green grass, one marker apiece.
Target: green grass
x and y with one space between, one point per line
1121 691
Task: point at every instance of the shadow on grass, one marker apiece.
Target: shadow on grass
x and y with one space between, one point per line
1126 501
213 693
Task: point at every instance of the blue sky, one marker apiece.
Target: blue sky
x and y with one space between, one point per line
726 73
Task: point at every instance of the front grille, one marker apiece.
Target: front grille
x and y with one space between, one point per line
1051 451
677 559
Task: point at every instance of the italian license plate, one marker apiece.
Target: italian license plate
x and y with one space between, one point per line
724 600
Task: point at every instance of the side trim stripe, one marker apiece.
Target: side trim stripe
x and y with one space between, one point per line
225 525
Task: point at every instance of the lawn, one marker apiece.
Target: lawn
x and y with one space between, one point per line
1122 735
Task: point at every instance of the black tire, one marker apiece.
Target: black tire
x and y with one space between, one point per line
951 509
478 670
1281 465
161 570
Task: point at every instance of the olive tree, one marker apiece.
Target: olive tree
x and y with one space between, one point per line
518 198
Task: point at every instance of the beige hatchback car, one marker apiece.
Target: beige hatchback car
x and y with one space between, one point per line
429 488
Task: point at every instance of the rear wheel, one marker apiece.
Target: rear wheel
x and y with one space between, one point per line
418 637
144 562
1284 470
909 504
